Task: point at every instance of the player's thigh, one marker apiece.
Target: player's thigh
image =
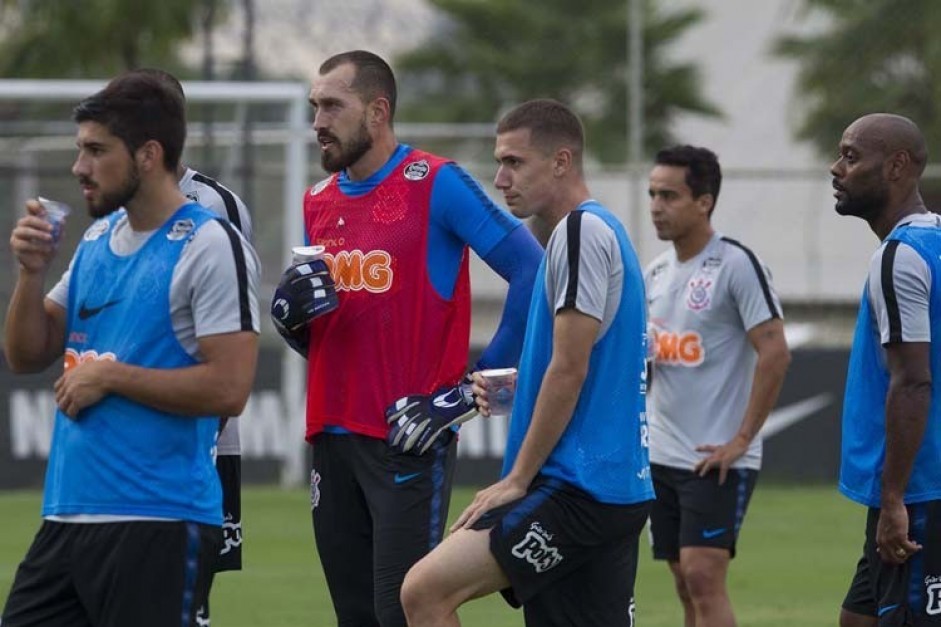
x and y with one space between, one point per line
598 594
665 513
553 532
409 497
712 514
459 569
343 526
229 468
146 573
908 594
43 593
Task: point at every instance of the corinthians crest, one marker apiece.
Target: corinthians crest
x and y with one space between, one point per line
699 294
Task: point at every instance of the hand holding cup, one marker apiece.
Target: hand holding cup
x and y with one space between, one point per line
495 390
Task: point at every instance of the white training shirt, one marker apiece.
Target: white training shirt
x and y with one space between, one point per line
700 312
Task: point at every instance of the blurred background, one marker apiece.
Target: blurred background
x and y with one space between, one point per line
768 85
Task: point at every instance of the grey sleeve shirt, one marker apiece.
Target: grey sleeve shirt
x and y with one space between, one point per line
897 271
584 269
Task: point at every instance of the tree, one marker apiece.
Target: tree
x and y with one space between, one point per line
875 55
69 38
496 53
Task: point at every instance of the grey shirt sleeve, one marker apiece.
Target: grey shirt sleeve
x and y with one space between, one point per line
751 289
214 289
584 270
900 293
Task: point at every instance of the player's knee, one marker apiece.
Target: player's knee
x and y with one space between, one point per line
424 600
851 619
681 590
418 595
702 582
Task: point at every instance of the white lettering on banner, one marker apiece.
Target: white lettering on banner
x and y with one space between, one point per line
265 429
31 418
483 438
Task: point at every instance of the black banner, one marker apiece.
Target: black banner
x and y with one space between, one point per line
802 436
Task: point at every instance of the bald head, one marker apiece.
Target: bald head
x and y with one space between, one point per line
889 133
876 176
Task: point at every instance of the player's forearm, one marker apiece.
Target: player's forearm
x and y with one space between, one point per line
30 333
205 389
766 386
552 414
516 259
906 415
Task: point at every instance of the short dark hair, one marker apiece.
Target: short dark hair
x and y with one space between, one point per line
137 107
170 80
703 174
551 124
374 78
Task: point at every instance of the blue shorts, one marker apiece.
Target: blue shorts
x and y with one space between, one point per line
906 594
696 511
570 559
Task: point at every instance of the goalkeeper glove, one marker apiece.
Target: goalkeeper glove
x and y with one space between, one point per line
306 291
417 421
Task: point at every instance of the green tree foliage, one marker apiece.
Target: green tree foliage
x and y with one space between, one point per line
874 55
82 38
496 53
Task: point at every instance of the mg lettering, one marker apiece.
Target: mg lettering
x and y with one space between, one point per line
355 270
683 349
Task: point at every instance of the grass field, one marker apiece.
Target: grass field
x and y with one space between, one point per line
797 551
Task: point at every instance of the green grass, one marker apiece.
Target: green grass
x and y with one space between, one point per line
797 552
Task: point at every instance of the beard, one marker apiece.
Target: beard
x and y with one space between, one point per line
866 204
349 152
110 202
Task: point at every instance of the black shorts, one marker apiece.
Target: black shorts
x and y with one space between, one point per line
375 513
908 594
141 573
229 468
696 511
571 560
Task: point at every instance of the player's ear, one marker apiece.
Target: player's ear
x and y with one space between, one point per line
149 156
705 203
562 161
896 165
379 111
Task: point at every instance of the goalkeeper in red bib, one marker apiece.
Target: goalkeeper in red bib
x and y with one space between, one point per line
387 348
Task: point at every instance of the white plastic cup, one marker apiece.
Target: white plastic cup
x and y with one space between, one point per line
303 254
326 300
501 389
55 214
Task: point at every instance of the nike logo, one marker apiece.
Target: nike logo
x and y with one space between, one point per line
84 313
713 533
783 417
399 478
443 402
887 609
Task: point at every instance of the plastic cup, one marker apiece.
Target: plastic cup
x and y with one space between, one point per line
501 389
55 214
303 254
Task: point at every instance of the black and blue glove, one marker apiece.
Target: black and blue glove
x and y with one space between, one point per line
306 291
416 422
